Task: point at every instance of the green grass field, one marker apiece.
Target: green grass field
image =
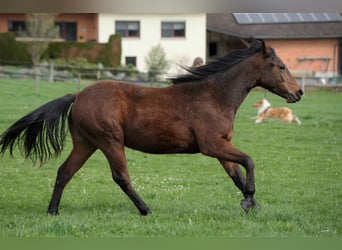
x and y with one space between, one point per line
298 180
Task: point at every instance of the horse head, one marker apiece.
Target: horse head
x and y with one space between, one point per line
275 76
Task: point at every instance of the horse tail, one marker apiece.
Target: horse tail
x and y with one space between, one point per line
41 133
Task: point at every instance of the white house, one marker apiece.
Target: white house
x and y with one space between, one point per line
182 36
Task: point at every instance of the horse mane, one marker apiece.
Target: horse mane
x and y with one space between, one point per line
219 64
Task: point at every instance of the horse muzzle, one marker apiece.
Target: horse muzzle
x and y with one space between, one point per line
294 97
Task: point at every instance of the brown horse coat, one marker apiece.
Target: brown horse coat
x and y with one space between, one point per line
195 114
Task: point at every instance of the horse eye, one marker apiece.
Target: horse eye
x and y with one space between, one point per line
282 68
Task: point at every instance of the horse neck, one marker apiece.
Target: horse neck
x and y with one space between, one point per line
235 83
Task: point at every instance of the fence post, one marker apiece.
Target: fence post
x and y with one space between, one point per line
52 72
79 81
99 71
37 76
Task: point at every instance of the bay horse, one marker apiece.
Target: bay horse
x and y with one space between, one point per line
195 114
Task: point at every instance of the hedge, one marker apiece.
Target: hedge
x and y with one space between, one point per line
12 52
109 54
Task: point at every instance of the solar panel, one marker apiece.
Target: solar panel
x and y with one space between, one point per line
260 18
294 17
321 17
307 17
281 18
333 16
241 18
256 18
269 18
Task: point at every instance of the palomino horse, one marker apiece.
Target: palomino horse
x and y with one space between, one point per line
194 115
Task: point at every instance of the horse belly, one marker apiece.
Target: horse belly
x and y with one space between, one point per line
161 141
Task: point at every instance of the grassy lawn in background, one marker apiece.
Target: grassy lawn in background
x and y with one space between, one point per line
298 179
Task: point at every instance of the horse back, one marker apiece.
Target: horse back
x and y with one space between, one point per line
154 120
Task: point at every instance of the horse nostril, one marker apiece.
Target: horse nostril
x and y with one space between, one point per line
301 92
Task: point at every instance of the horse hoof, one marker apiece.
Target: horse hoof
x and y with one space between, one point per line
146 212
247 204
54 213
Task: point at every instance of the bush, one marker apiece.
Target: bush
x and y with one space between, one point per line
11 51
108 54
156 62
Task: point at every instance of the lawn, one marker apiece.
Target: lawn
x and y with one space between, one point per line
298 179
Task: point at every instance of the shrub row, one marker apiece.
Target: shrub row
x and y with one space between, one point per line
12 52
109 54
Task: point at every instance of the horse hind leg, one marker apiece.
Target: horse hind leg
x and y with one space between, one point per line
117 160
78 156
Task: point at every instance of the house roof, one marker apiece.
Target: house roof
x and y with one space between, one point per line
226 23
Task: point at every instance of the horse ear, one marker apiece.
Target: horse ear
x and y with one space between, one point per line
259 44
263 46
266 50
256 43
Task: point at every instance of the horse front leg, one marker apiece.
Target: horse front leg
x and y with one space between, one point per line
223 150
234 171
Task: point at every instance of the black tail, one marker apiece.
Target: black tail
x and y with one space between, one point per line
40 132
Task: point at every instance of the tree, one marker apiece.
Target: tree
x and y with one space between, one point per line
156 62
40 30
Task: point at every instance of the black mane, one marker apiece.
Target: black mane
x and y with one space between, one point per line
220 64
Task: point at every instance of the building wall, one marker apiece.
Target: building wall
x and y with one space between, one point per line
308 54
223 44
5 17
178 50
87 29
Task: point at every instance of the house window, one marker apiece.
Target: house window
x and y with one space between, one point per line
173 29
15 26
127 28
131 60
212 49
67 30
